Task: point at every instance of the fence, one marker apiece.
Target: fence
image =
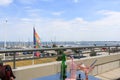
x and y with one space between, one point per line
109 49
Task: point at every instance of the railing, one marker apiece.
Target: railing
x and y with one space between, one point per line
109 48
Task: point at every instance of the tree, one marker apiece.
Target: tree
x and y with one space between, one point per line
60 52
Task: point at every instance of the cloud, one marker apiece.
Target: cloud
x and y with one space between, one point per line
5 2
76 29
79 20
26 19
105 28
76 1
33 1
32 12
27 1
47 0
107 12
57 13
111 18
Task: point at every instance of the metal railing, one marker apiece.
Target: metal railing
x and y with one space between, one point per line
48 49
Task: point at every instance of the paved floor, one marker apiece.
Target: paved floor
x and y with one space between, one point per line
111 75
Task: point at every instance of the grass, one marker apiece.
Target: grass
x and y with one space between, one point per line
30 62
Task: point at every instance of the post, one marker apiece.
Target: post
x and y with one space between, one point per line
109 50
80 53
14 60
119 62
94 44
117 47
33 62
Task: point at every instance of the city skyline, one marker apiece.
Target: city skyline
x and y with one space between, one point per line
60 20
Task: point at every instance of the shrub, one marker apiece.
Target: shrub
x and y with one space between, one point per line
93 53
59 58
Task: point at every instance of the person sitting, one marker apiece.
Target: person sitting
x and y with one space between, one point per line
6 72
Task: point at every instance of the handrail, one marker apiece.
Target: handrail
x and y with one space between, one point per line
46 49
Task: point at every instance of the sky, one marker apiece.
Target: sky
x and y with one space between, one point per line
60 20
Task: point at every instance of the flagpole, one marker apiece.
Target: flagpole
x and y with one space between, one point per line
5 40
33 59
33 62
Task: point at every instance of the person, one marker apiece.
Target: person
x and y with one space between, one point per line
6 72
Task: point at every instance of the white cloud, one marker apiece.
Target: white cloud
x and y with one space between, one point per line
107 12
47 0
27 1
111 18
33 1
77 29
106 28
32 12
5 2
57 13
76 1
79 20
26 19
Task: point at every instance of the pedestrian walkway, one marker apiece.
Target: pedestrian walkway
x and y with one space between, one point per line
110 75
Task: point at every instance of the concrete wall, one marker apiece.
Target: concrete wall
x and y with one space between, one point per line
104 63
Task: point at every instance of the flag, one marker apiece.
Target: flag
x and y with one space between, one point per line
36 41
36 38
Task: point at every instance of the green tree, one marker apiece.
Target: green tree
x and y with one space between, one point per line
60 52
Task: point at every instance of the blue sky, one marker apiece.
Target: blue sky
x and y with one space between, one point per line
60 20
